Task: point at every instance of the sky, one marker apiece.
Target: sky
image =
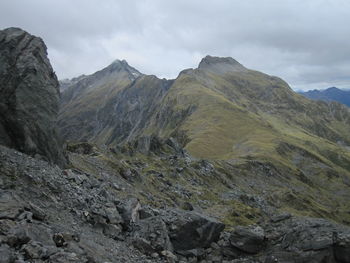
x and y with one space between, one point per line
307 43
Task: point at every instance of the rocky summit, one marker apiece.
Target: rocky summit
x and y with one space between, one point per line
221 164
29 98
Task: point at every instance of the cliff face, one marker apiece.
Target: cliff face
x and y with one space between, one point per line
29 98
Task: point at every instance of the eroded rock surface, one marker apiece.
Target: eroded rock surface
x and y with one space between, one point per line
29 98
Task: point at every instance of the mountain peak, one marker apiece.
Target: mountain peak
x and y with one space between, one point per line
333 89
220 65
120 66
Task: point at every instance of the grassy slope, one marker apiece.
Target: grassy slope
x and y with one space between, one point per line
263 138
252 116
237 116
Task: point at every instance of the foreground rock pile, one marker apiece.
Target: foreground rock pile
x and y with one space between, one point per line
52 215
67 216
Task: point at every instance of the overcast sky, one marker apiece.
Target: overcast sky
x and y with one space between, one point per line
307 43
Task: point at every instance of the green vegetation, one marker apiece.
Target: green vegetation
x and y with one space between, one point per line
272 150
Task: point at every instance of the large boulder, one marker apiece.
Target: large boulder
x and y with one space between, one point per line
150 235
29 96
189 230
248 239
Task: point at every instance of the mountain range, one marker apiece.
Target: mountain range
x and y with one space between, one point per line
239 119
223 163
330 94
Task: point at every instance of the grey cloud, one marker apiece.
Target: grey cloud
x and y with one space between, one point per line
304 42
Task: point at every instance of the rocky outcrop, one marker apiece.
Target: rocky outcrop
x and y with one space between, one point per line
29 96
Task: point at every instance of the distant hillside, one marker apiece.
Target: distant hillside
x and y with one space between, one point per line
330 94
261 135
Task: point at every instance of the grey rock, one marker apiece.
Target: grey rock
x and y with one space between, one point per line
146 212
306 240
38 213
6 254
34 250
248 239
112 231
113 215
9 207
281 217
129 211
189 229
18 236
196 252
151 235
5 226
67 257
187 206
342 247
143 245
169 256
29 98
67 207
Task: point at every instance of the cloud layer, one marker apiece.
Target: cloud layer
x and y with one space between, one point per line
307 43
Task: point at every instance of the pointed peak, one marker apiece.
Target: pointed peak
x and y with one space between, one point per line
119 64
220 65
122 66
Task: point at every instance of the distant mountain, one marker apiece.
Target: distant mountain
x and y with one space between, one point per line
250 123
219 110
330 94
65 83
